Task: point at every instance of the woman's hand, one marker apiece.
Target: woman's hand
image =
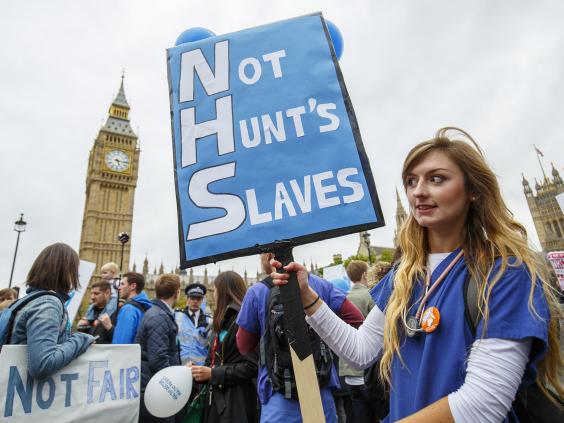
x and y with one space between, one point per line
201 373
307 294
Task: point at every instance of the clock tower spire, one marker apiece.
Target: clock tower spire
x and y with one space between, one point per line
111 180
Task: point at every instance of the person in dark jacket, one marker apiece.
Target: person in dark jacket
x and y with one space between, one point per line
157 337
231 376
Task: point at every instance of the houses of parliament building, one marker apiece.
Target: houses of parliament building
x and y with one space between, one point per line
546 212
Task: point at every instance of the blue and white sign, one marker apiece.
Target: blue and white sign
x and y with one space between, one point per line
101 385
266 144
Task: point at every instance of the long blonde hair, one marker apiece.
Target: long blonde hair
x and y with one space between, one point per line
490 233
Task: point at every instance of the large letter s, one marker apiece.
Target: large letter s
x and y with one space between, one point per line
198 191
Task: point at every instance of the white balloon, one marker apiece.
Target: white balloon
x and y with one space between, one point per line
168 391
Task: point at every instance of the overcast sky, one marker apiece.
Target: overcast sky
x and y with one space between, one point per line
495 69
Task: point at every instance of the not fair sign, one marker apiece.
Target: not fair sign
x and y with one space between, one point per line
103 384
266 143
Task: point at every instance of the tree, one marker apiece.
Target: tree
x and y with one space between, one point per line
387 255
355 257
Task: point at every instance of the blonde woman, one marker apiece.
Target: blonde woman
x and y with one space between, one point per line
439 368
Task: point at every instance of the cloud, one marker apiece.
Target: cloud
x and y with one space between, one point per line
494 69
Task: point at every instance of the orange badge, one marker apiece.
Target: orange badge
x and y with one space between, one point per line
431 319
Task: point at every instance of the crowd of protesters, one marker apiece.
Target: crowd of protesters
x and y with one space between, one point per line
378 348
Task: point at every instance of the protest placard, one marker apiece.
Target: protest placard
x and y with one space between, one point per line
556 258
103 384
85 271
266 143
334 272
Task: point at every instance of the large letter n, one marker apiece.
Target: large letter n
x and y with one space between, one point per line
194 62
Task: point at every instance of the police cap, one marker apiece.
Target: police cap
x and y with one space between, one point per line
195 290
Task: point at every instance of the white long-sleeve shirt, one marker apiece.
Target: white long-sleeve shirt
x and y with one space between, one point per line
494 371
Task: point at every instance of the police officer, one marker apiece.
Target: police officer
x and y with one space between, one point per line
194 326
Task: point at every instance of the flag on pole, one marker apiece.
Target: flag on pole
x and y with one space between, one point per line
538 151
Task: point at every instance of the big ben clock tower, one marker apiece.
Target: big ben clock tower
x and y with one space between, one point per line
111 179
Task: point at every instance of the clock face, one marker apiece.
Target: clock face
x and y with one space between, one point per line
117 160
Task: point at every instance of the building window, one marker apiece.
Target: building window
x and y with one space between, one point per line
557 229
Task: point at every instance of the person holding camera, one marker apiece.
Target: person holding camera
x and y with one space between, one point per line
100 308
108 273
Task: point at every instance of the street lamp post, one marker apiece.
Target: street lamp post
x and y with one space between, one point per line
19 227
366 237
123 237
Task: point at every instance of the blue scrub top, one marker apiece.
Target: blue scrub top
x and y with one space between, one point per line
435 363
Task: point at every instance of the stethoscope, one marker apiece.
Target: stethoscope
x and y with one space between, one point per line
429 320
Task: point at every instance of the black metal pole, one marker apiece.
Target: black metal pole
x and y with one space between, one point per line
116 286
14 261
123 238
121 259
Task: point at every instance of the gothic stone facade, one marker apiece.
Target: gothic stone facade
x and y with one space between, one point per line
546 212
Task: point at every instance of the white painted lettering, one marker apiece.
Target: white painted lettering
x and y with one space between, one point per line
257 71
303 199
322 111
191 131
245 138
282 199
274 59
357 190
270 128
194 62
296 115
203 198
321 191
255 215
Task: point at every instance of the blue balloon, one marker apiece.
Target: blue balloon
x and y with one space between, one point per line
193 34
341 283
336 37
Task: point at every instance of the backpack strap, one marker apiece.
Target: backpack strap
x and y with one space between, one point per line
21 303
471 311
269 284
138 305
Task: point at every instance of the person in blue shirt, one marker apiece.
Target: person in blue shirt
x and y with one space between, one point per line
130 315
459 232
252 326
